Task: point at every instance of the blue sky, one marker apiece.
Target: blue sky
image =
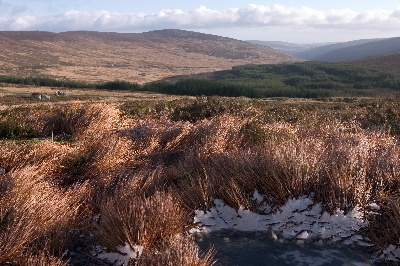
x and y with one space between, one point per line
300 21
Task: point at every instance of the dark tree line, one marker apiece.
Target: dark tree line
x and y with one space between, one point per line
306 80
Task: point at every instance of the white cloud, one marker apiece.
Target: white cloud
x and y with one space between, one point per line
251 16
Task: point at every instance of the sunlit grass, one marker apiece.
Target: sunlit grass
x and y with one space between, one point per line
145 172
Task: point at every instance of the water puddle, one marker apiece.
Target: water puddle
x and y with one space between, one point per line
259 248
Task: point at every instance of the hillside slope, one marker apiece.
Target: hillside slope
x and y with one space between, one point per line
135 57
313 53
355 52
386 62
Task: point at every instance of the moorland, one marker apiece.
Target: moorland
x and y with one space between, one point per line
102 164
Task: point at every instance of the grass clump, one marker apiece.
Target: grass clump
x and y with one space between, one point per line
36 218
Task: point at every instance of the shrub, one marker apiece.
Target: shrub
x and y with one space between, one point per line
253 133
201 108
13 129
119 85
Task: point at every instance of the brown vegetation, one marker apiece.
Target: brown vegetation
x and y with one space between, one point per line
136 57
146 173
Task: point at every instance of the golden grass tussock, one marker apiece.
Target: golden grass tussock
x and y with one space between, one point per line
98 121
384 229
342 174
242 172
96 150
46 154
152 139
180 250
143 221
216 135
158 223
36 215
100 151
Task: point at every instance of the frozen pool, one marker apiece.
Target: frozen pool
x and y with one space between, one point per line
260 248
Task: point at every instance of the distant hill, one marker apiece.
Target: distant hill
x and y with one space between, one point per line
352 50
386 62
317 52
290 48
136 57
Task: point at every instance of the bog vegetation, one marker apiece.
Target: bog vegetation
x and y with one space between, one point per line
134 173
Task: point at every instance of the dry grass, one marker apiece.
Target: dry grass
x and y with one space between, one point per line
35 215
145 175
43 259
177 251
158 223
384 229
130 218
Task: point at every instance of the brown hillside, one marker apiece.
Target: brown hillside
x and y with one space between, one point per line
136 57
387 62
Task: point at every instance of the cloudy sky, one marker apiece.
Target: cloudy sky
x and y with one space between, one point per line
299 21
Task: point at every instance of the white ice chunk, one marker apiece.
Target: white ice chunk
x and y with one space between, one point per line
299 218
303 235
124 255
257 197
374 207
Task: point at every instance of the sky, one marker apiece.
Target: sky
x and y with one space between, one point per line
297 21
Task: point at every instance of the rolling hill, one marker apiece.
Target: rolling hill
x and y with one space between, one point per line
313 53
386 62
354 50
135 57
